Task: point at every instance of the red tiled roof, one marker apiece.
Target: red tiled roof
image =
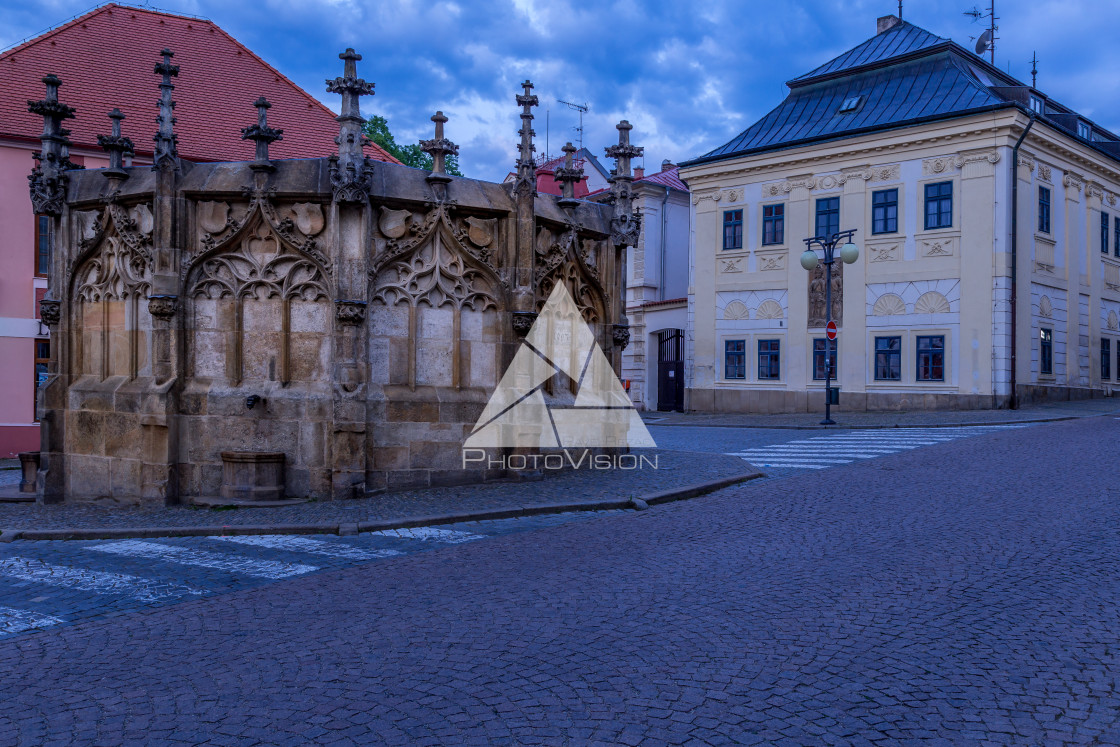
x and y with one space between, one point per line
105 59
668 178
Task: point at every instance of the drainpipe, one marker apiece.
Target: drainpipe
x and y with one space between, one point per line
1014 252
661 267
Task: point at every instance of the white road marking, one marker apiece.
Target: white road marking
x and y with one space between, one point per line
431 534
184 556
304 544
17 621
101 582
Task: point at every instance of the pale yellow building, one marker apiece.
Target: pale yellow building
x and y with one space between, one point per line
908 139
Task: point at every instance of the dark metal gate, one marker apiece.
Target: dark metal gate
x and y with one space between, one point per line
670 370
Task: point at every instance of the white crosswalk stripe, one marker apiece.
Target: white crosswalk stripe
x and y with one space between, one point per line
307 545
822 452
431 534
17 621
101 582
185 556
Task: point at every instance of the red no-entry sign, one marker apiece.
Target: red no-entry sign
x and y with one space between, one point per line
830 331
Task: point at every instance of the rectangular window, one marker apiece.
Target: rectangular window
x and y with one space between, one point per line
1116 236
1036 105
850 104
820 348
732 229
888 358
828 216
735 359
1044 210
773 224
939 205
1084 130
884 211
42 245
931 358
769 359
42 358
1106 359
1046 352
1104 232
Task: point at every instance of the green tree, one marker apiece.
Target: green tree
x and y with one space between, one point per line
377 130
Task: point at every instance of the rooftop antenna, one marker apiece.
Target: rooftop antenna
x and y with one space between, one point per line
582 109
1034 69
987 40
900 10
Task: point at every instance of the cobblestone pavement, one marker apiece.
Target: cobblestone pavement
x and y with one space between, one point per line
674 469
960 593
889 418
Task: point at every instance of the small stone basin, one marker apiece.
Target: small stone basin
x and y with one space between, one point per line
253 475
29 466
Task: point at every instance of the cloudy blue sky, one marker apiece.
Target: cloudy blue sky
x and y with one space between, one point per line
689 76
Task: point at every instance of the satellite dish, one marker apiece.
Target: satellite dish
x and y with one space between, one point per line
984 42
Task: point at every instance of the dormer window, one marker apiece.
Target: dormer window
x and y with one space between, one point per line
1084 130
850 104
1036 105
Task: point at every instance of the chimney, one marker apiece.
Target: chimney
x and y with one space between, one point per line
639 172
886 23
667 164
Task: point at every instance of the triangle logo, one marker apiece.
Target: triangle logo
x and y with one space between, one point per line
518 415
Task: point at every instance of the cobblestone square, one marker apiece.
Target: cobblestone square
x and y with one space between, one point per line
959 589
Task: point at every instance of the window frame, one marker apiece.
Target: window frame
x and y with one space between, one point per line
940 199
1106 359
775 222
773 358
1043 209
931 352
1106 229
741 366
1084 130
40 221
893 356
1036 104
818 213
820 346
884 206
1045 351
1116 236
736 224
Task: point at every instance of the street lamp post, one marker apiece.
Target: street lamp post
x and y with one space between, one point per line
849 253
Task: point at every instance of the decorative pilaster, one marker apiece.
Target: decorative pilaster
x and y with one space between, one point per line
48 177
166 155
263 135
117 147
568 175
439 148
350 177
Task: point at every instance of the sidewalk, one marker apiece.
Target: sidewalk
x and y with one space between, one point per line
679 475
892 419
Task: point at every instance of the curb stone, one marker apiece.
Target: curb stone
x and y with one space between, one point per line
349 528
875 427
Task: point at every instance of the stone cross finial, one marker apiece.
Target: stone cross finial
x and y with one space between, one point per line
439 148
166 153
262 134
350 139
526 169
568 175
117 146
47 179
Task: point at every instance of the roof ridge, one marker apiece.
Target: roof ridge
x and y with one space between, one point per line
855 59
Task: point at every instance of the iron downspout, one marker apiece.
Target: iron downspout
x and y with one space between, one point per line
1014 402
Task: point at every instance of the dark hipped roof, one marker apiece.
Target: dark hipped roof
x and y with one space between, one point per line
920 90
898 41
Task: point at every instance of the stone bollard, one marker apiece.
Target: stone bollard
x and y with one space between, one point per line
29 466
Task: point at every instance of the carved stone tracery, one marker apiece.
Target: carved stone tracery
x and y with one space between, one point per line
435 275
